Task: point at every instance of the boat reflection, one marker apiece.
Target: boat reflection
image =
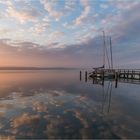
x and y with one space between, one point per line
106 92
106 102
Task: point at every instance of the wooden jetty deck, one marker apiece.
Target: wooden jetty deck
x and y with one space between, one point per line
129 74
124 73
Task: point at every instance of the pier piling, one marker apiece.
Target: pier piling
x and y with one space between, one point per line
80 75
85 76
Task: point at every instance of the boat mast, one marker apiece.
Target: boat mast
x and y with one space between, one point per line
104 49
105 52
111 53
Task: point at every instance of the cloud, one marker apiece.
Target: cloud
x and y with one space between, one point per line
30 54
51 11
84 14
4 30
70 5
23 15
125 4
42 26
130 23
57 33
7 2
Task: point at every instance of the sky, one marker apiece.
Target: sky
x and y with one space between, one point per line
68 33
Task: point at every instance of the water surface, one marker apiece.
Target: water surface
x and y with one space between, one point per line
56 104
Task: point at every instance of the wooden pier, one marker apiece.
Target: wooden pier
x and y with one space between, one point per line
126 74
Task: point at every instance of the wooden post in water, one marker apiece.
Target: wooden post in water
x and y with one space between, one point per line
85 76
116 79
80 75
103 75
116 75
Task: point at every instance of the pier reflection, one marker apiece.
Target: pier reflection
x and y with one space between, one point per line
100 80
107 85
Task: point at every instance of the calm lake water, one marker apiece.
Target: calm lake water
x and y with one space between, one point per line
56 104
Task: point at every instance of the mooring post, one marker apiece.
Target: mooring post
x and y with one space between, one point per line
116 79
116 76
85 76
103 75
80 75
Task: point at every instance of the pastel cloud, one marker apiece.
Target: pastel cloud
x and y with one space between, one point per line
7 2
84 14
42 26
125 4
25 52
49 8
23 15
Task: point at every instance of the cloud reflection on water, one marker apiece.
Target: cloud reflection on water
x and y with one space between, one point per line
61 112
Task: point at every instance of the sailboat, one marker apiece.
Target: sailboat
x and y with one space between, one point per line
102 72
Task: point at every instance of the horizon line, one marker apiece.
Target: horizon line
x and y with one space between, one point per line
34 68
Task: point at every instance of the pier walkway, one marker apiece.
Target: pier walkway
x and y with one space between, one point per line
119 75
124 73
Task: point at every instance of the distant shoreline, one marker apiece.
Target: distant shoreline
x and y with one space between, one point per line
37 68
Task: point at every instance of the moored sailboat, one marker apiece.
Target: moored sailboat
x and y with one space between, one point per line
102 72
